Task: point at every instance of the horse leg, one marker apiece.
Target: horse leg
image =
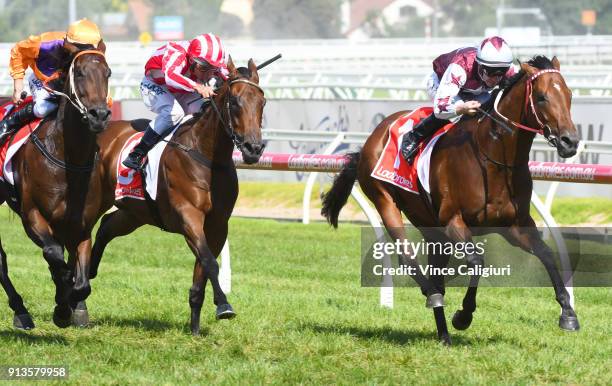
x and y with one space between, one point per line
392 219
457 231
529 240
114 224
193 230
78 261
39 231
22 318
196 296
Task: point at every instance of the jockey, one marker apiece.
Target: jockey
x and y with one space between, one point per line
177 78
45 54
460 82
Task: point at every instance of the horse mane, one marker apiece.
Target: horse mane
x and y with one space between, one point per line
540 62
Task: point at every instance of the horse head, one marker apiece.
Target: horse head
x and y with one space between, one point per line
547 104
244 103
86 86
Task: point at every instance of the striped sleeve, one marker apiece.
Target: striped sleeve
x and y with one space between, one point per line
173 64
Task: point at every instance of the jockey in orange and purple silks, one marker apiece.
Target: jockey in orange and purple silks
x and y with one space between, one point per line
45 54
462 79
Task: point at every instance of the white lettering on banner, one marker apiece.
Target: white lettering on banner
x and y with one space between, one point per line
305 161
392 176
563 172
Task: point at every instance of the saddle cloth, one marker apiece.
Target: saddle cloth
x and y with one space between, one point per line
11 145
129 181
391 166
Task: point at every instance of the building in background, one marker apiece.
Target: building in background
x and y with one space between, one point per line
368 18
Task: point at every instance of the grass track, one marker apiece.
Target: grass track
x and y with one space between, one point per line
302 318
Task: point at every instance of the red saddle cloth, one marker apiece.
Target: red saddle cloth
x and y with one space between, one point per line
17 139
129 181
391 166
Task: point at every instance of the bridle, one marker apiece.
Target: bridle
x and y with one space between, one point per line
529 107
236 138
76 102
73 98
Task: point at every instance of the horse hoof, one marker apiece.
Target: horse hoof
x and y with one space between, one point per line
61 318
23 322
435 300
80 318
569 323
445 340
462 320
225 311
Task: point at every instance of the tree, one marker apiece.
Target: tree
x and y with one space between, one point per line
276 19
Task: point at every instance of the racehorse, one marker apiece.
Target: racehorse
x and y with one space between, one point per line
479 177
53 173
197 182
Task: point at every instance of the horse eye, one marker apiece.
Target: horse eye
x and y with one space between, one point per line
78 73
541 98
109 73
264 102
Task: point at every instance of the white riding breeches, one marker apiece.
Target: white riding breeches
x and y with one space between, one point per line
44 101
169 107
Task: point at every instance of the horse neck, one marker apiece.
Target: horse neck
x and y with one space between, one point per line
209 137
69 138
510 148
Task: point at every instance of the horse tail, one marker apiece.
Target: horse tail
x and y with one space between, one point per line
336 197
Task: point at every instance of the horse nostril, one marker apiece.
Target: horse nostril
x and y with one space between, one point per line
567 141
101 114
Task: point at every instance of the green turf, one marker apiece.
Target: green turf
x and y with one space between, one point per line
302 318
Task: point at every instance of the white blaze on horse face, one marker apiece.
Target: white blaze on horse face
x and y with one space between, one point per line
557 86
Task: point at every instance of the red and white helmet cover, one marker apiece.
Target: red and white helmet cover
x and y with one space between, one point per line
209 48
494 52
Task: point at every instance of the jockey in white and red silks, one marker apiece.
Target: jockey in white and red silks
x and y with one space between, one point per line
461 81
177 78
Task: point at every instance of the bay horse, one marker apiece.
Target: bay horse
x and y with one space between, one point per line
197 182
53 173
479 177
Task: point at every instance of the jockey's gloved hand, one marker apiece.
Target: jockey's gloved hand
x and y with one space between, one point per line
469 108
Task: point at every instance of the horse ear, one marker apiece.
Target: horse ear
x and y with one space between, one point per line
527 68
70 48
102 47
253 71
555 63
230 66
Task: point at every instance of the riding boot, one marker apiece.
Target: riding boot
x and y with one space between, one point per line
134 159
424 129
16 120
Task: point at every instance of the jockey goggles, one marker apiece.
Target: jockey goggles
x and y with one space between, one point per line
494 72
203 65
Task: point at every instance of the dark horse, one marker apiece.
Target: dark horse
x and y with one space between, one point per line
54 171
479 178
197 183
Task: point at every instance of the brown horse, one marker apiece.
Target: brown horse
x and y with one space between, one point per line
53 173
479 178
197 183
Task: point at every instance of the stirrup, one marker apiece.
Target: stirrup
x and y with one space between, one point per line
134 161
410 151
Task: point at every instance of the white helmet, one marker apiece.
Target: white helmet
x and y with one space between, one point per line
494 52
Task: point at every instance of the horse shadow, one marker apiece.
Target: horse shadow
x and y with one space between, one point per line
394 336
145 324
31 339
